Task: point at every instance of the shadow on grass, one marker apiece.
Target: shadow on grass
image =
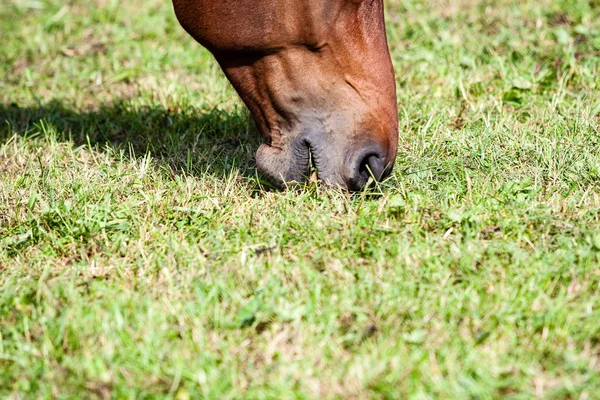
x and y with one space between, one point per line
189 141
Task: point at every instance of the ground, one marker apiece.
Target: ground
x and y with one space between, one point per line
141 255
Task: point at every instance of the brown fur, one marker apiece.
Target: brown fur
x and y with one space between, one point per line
316 76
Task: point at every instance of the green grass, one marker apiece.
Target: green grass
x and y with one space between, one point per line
142 256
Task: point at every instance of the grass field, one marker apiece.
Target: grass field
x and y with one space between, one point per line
141 256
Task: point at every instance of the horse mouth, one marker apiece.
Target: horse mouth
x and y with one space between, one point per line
313 166
311 159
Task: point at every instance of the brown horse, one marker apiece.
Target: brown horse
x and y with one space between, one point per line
317 77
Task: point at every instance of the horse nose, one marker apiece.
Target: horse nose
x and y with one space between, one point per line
369 162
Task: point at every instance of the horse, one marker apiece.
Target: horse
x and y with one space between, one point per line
317 78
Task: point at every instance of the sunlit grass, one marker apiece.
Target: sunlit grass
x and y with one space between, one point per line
141 255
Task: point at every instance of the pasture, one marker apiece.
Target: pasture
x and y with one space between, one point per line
141 256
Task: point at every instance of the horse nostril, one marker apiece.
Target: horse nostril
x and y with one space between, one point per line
371 162
372 165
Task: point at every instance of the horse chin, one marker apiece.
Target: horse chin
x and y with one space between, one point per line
282 166
297 161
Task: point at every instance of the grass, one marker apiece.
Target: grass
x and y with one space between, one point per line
141 256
